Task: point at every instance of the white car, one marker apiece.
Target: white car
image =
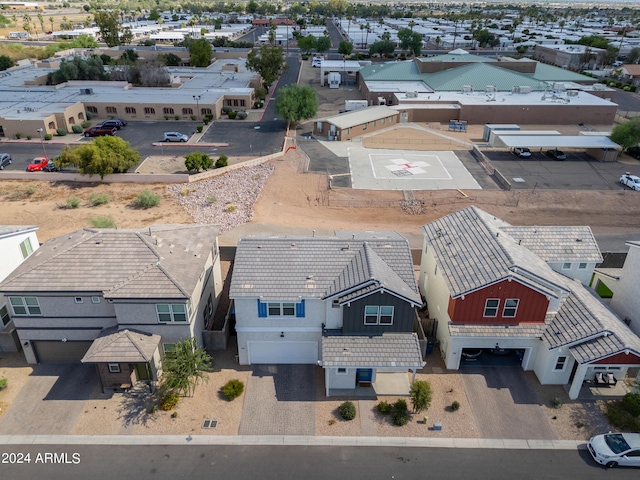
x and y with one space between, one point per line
613 449
522 152
175 137
631 181
317 61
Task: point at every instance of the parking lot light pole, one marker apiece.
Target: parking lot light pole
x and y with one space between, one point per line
40 130
197 99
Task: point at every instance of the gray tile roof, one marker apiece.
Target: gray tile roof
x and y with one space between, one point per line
390 350
524 330
8 230
292 268
124 346
163 261
472 251
557 243
615 273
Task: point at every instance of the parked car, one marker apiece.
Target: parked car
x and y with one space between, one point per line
99 131
50 166
317 61
556 154
5 159
38 164
522 152
613 449
634 152
631 181
115 123
121 121
175 137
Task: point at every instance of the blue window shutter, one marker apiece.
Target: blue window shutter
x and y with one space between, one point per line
300 309
262 309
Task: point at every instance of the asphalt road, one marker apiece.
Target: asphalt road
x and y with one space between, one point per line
297 462
627 102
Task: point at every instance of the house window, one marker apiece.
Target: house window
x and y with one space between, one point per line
341 371
281 309
229 103
373 124
335 303
378 315
561 363
78 299
131 110
168 111
364 126
112 110
382 121
566 266
346 131
4 315
206 111
81 116
582 266
491 307
510 307
242 104
187 111
149 110
95 299
114 367
71 120
235 102
167 347
92 109
26 248
171 312
25 306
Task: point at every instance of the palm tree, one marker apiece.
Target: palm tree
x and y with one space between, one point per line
41 20
412 24
51 22
437 42
368 28
362 27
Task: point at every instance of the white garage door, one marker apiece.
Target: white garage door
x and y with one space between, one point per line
274 353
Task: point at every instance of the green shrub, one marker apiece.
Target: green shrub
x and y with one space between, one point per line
347 410
30 190
3 383
176 117
400 405
85 124
633 88
556 402
230 208
305 56
618 84
103 222
400 414
233 389
232 115
626 88
420 395
166 117
212 199
61 132
620 418
205 121
146 199
631 403
455 406
384 408
257 104
226 109
200 128
222 161
18 136
193 118
208 117
29 137
241 115
48 136
169 401
73 202
174 415
76 128
88 115
96 199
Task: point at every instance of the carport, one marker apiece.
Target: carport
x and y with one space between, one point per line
340 66
599 147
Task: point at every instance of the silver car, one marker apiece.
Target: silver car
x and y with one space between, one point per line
613 449
5 159
175 137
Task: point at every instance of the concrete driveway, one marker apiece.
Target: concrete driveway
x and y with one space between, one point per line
280 400
51 401
504 404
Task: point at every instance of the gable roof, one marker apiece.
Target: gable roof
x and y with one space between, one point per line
10 230
122 346
348 265
473 252
557 243
479 75
163 261
360 116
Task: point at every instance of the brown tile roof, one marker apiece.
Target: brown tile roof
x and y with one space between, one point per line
124 346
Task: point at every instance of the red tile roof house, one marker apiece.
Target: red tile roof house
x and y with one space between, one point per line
496 287
115 298
346 303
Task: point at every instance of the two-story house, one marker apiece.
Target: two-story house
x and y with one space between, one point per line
116 298
17 242
347 303
500 289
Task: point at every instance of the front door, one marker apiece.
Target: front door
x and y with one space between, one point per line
363 376
143 372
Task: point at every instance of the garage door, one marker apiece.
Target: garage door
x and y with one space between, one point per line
60 352
274 353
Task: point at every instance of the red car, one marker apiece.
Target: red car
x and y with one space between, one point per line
39 164
99 131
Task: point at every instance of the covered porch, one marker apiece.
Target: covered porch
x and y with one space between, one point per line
125 357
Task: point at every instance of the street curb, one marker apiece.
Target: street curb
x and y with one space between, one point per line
293 440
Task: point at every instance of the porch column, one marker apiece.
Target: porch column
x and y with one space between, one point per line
413 375
326 381
578 379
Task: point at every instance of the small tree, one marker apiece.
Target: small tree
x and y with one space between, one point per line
307 43
410 40
222 161
195 161
627 134
295 103
420 395
267 61
185 366
345 48
105 155
323 44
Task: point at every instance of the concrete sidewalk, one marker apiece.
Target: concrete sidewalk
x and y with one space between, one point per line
499 444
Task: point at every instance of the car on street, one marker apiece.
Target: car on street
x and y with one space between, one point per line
175 137
5 159
613 449
39 164
522 152
556 154
631 181
634 152
99 131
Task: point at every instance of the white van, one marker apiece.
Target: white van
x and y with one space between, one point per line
618 63
317 61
